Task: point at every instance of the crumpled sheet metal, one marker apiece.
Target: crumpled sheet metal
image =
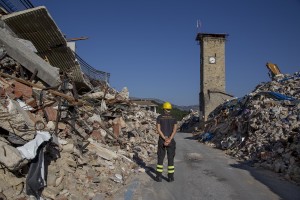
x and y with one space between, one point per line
10 157
13 119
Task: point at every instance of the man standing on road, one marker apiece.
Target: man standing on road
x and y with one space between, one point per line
166 128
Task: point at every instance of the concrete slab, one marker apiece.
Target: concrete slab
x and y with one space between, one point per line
28 59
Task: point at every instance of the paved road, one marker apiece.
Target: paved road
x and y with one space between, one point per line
205 173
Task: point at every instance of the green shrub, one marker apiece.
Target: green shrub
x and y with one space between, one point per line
177 113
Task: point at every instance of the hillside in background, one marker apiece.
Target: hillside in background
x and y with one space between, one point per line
188 108
179 112
176 112
160 102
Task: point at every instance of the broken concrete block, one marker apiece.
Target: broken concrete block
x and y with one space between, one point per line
123 95
16 120
103 133
29 59
50 192
10 157
68 148
101 151
51 125
99 95
94 118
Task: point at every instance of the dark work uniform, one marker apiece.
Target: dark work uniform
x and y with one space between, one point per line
167 123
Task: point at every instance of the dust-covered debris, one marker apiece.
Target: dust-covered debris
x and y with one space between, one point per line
59 142
262 128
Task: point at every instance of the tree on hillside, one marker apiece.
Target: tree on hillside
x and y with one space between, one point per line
177 113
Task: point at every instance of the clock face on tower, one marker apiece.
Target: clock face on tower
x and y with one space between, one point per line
212 60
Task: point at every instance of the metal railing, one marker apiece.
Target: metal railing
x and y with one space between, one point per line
91 72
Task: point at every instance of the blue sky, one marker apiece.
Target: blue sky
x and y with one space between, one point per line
150 48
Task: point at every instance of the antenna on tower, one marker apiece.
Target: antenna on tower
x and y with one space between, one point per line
199 24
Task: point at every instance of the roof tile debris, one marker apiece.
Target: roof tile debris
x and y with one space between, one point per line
54 137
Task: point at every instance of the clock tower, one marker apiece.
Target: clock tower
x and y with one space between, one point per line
212 73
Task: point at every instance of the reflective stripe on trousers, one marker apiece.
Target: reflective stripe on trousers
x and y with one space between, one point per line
159 168
171 169
161 153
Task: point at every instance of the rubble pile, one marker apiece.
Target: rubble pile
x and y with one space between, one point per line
190 123
262 127
56 144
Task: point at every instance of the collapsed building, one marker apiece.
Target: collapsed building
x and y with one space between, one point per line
190 123
64 132
261 128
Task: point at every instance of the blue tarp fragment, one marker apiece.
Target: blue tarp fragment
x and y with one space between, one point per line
279 96
207 137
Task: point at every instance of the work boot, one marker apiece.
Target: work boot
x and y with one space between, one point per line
171 177
158 177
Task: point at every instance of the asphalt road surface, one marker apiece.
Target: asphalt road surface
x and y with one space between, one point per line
205 173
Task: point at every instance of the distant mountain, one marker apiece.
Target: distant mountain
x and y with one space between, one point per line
187 108
158 101
149 99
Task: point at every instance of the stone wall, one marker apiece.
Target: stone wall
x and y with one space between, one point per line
212 75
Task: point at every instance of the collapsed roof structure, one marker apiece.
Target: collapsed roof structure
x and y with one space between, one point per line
64 133
37 26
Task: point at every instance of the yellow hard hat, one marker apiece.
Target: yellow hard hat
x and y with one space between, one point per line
167 106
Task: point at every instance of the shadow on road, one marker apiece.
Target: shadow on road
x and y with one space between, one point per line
193 136
284 189
149 169
152 173
190 138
